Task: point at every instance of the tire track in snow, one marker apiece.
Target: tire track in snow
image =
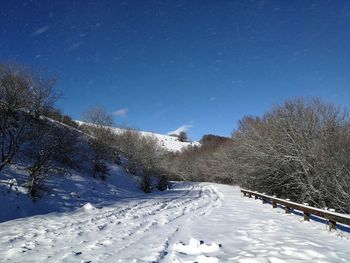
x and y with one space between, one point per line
168 206
149 225
83 234
188 212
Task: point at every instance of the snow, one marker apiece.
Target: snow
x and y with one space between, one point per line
196 247
192 222
64 192
88 207
171 143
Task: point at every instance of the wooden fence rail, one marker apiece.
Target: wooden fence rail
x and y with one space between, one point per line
332 217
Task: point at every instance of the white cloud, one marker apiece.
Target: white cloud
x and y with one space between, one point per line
183 128
212 98
40 31
121 112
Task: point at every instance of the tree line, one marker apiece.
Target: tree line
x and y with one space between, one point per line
298 150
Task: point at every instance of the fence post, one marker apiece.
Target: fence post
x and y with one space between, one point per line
306 216
274 204
287 209
332 225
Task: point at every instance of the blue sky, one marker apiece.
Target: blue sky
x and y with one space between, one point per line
162 64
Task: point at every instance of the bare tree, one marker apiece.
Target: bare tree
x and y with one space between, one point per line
149 153
128 142
23 89
14 88
14 100
43 95
102 140
12 134
51 149
298 150
144 154
23 94
182 136
98 116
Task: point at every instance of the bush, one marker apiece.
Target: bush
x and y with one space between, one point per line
298 150
142 152
101 139
183 136
23 96
163 182
51 149
101 170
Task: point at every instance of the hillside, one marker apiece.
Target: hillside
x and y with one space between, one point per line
75 188
63 192
169 143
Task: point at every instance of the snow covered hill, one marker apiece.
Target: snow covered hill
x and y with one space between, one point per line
70 191
63 192
192 222
171 143
167 142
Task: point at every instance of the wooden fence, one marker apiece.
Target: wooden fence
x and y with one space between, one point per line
332 217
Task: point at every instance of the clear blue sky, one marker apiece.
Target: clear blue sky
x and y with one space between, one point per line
200 63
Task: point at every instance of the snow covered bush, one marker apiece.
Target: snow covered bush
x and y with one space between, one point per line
299 150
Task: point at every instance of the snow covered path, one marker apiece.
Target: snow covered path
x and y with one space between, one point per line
191 223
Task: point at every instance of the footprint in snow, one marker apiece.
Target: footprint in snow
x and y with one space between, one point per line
102 227
199 249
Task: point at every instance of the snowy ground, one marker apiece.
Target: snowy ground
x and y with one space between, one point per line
190 223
